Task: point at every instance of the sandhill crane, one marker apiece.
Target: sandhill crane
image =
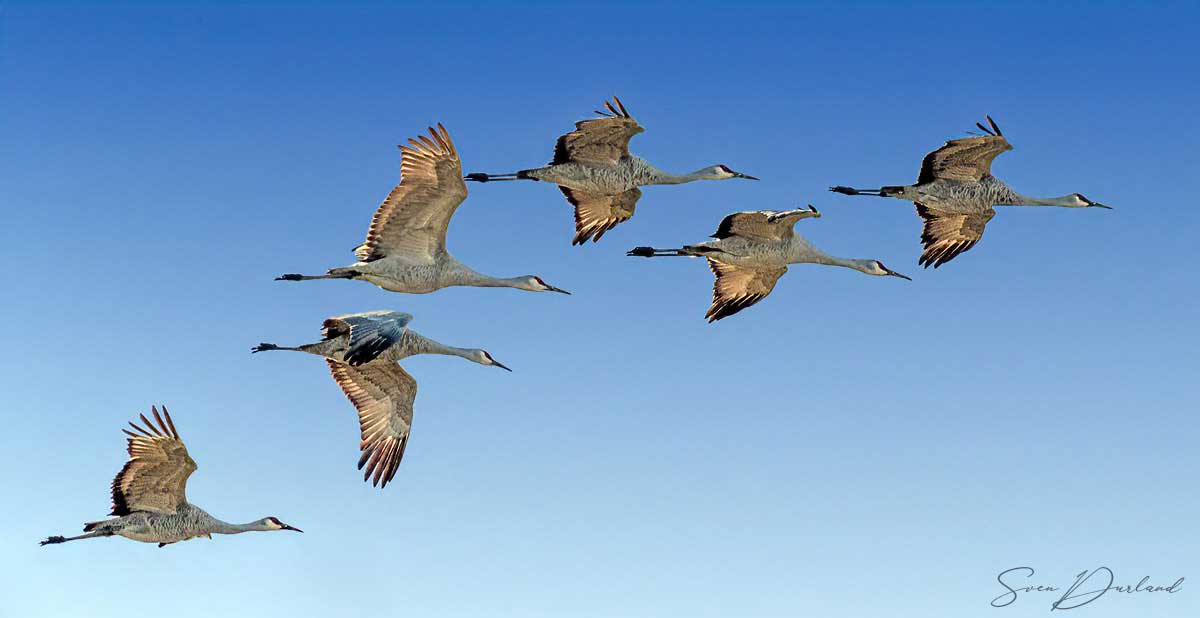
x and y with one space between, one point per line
956 191
405 250
361 350
148 497
751 252
594 170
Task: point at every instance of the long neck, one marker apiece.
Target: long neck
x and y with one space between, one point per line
224 527
468 277
820 257
425 345
1066 201
659 177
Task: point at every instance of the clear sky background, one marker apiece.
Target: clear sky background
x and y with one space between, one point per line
852 446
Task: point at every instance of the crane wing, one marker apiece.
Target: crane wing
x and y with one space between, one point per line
948 234
155 477
968 159
371 333
738 287
414 217
599 140
769 225
383 394
596 213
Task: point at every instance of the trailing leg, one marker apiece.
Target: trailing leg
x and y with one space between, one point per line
54 540
334 273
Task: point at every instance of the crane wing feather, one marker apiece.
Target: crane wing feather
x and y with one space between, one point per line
413 218
596 213
738 287
599 140
967 159
768 225
155 477
947 234
383 393
372 333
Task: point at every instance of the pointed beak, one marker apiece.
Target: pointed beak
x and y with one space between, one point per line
293 529
896 274
1099 205
550 288
496 363
746 176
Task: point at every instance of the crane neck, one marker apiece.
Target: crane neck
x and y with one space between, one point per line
816 256
224 527
469 277
660 177
1065 201
425 345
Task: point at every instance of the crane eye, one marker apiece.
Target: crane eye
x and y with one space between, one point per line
726 169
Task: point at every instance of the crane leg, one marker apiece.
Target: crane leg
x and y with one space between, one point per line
850 191
652 252
54 540
482 177
267 347
337 275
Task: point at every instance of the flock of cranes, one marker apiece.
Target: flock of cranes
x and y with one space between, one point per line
405 251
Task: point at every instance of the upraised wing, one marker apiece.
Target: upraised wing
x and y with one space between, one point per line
948 234
371 333
383 393
738 287
596 213
599 140
155 477
769 225
414 217
968 159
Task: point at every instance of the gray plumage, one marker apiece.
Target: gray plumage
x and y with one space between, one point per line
595 171
751 251
149 501
405 249
955 194
361 350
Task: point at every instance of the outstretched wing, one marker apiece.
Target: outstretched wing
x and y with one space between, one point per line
383 394
769 225
968 159
948 234
155 477
414 217
596 213
371 333
738 287
600 140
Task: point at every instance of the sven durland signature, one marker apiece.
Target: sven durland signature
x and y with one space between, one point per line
1088 586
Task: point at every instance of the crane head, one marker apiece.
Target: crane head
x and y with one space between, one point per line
273 523
534 283
721 172
877 268
1083 202
484 358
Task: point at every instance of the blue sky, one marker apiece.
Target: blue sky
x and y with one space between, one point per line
850 446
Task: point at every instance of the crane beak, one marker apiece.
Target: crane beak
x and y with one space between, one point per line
896 274
1099 205
746 176
550 288
496 363
294 529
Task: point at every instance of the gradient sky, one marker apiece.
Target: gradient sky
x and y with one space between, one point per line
851 446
